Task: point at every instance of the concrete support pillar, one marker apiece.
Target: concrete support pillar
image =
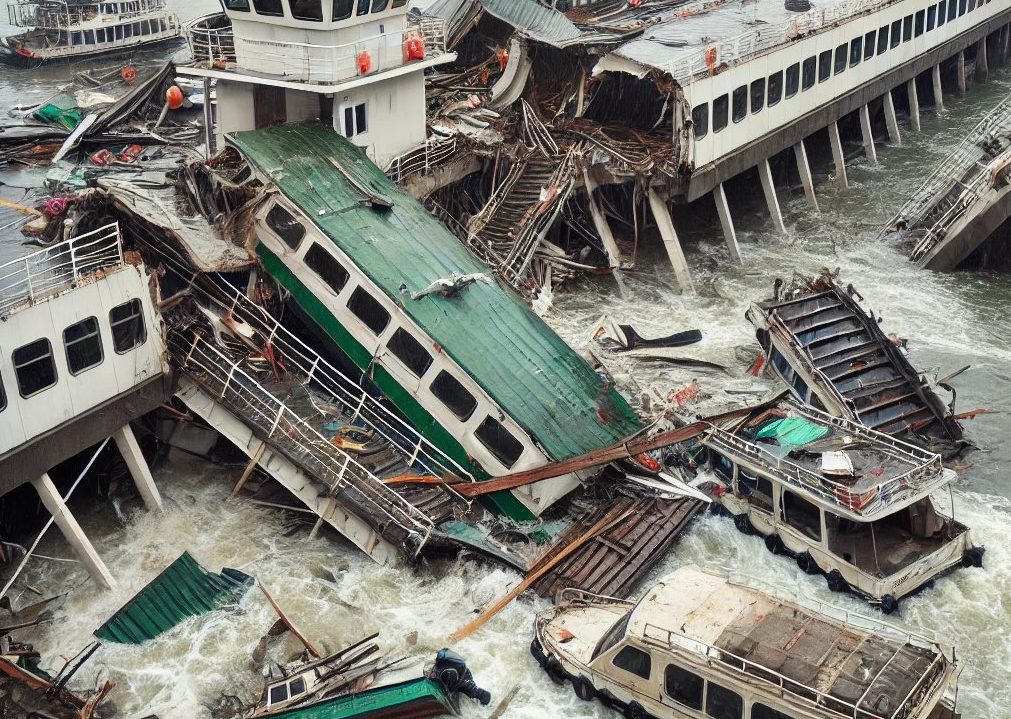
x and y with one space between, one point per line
661 213
891 120
603 228
982 67
72 531
729 233
805 174
765 175
935 75
960 70
914 104
837 155
868 135
128 447
1005 44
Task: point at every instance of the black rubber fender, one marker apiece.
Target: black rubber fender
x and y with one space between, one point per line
774 544
973 557
538 653
889 604
583 688
836 582
743 524
554 669
635 710
807 564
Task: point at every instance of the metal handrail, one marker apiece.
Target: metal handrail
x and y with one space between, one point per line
48 272
422 159
210 44
62 15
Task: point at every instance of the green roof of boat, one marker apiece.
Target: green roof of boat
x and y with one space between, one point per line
534 376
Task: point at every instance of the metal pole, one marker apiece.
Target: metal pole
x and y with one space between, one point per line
208 129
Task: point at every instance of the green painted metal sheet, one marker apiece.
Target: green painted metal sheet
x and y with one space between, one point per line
184 589
487 329
424 694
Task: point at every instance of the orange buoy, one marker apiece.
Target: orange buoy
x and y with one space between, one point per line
174 97
414 48
711 58
128 74
503 59
364 63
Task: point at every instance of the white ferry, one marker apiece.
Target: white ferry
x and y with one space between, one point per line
700 645
61 29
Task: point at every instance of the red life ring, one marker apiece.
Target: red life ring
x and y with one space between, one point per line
364 63
23 52
414 48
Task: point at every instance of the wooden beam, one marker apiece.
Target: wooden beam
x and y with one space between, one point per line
287 622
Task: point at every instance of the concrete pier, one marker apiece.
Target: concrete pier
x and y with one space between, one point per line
982 67
891 120
135 462
935 76
72 531
838 158
914 105
727 221
769 188
960 71
661 214
806 179
868 134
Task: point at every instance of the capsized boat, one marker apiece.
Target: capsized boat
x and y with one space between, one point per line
697 644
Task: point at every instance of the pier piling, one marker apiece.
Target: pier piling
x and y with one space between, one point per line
134 458
837 154
914 104
982 69
891 120
661 214
769 188
935 75
868 135
960 71
729 233
805 174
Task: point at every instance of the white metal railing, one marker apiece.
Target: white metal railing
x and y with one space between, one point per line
209 43
295 437
47 272
62 15
422 159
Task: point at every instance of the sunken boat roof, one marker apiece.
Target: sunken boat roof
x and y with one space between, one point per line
486 328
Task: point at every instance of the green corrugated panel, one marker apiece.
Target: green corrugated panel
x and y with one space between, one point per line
487 329
184 589
395 700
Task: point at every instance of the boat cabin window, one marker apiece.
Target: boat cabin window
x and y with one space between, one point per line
961 8
792 80
128 329
327 267
367 308
239 5
896 33
755 487
278 693
83 345
379 5
840 58
34 367
399 3
499 441
342 9
824 66
409 351
683 686
760 711
3 396
809 72
268 7
363 7
611 636
633 660
700 120
931 17
448 390
801 515
307 10
856 51
720 107
740 103
942 12
952 9
723 467
722 703
907 28
775 88
354 120
296 686
869 44
918 23
757 95
285 226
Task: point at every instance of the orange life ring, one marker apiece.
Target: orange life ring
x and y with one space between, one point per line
128 74
414 48
364 63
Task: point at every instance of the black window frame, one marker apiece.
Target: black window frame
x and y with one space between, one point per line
685 687
20 363
236 5
856 50
721 112
713 690
842 54
326 267
362 304
316 5
445 380
700 118
498 440
931 17
407 349
791 79
907 28
629 650
870 42
94 334
280 226
757 92
272 4
942 12
139 338
824 65
882 40
787 498
775 89
919 22
895 34
342 9
809 73
739 104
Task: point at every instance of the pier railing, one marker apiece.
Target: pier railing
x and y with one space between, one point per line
48 272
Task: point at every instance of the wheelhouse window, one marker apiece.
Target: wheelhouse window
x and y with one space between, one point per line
499 441
342 9
740 103
286 226
268 7
869 44
311 10
700 120
633 660
809 67
720 107
238 5
918 25
952 9
776 88
83 345
882 39
801 515
824 66
760 711
856 51
792 80
683 686
363 7
399 3
34 367
296 686
409 351
367 308
379 5
354 120
840 58
327 268
722 703
128 330
448 390
278 694
757 95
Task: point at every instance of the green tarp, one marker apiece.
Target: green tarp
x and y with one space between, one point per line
67 118
795 431
184 589
421 697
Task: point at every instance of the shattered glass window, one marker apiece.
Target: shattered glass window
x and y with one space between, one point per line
840 58
327 267
882 39
307 10
83 345
700 120
757 95
792 80
34 367
342 9
448 390
409 351
367 308
500 442
128 329
869 44
634 661
809 71
721 105
285 226
856 50
740 101
268 7
683 686
824 66
722 703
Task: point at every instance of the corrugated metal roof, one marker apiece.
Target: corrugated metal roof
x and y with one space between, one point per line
535 21
184 589
487 329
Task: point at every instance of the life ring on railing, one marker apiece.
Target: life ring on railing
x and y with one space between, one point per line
711 58
128 74
364 62
414 48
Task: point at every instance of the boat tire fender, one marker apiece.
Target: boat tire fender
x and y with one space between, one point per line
584 688
743 524
538 653
553 667
836 582
635 710
774 544
807 564
973 557
889 604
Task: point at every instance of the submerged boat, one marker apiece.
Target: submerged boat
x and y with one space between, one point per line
701 645
834 356
844 500
62 29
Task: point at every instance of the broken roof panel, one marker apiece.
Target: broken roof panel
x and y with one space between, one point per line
535 21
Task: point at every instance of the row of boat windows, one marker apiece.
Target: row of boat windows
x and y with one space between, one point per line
282 692
119 32
692 691
799 77
402 344
312 10
35 365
